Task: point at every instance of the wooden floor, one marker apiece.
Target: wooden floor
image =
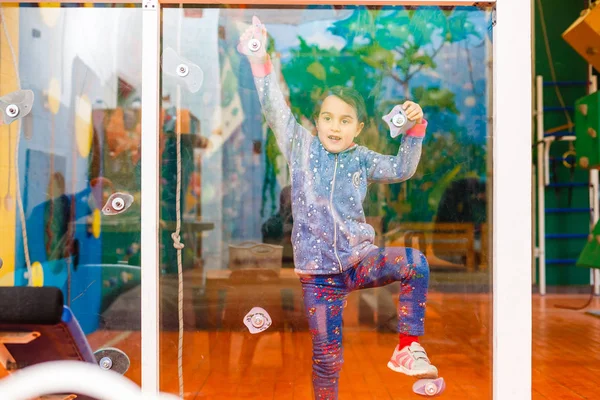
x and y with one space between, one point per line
566 349
566 355
237 365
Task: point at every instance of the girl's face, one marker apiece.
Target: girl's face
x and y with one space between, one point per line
337 124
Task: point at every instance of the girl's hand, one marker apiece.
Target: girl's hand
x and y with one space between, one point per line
413 111
253 42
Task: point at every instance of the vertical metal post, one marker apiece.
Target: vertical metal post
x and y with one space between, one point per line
150 213
512 201
541 195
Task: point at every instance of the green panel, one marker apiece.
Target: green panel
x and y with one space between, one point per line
568 66
587 121
590 256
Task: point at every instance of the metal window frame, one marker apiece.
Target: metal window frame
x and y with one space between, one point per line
511 190
511 186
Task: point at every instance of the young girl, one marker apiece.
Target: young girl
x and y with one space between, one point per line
333 246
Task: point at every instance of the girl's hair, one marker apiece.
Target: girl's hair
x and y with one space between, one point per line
348 95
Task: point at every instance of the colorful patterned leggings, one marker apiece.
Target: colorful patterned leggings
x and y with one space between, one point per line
325 296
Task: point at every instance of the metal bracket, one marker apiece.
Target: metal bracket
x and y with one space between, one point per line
150 5
18 337
6 359
484 4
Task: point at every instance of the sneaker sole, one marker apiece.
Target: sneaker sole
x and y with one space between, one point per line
414 374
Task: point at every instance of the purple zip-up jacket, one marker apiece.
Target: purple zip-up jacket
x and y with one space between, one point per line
330 233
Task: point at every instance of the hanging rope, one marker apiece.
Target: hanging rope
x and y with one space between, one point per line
179 246
176 235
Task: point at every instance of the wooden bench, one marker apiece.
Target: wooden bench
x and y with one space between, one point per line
485 250
436 240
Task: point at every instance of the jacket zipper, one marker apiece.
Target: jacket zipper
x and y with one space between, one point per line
333 214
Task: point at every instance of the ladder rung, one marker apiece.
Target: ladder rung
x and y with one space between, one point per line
569 184
559 158
558 108
559 134
566 235
561 261
567 83
567 210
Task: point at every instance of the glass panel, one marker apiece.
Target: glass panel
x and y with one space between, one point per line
294 194
69 170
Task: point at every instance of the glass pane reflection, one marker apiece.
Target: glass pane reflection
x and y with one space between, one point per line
74 156
272 195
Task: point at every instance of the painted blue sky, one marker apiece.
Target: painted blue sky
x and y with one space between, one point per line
451 72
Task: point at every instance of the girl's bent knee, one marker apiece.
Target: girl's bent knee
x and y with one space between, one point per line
420 264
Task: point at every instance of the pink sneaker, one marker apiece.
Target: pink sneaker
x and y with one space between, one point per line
412 361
